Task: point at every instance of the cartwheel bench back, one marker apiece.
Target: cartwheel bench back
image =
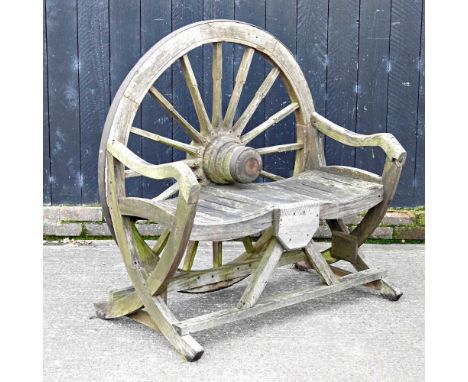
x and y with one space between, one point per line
215 196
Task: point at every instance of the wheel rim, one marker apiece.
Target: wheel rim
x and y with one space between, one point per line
176 46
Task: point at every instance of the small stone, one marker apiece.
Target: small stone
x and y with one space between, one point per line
382 233
410 233
61 229
80 213
398 218
97 229
51 214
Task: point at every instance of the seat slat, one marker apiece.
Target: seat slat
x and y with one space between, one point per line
227 212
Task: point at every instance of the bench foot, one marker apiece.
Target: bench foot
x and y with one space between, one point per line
389 291
162 319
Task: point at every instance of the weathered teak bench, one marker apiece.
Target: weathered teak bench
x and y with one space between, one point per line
215 197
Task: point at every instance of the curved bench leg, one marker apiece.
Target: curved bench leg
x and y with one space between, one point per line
149 282
387 290
364 229
261 275
360 263
156 307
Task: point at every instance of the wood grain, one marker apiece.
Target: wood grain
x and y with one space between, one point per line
64 102
342 75
374 64
403 86
93 45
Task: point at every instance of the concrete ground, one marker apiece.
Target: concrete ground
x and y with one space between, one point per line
354 335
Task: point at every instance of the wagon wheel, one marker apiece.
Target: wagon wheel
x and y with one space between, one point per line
218 152
219 128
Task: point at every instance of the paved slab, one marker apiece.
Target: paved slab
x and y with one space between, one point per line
351 336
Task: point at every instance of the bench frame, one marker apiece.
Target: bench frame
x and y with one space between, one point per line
167 266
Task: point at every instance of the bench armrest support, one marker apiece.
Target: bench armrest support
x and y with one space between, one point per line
189 188
387 142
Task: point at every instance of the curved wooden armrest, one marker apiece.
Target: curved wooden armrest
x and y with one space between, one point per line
387 142
189 188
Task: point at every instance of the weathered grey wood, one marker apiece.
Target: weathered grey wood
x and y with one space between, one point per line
386 289
248 245
217 254
207 210
167 141
144 209
262 274
319 264
164 102
233 211
192 163
280 148
161 242
125 301
238 85
262 91
344 246
190 255
145 285
217 73
167 193
212 320
352 172
151 67
270 176
275 118
144 318
192 85
294 224
238 269
385 141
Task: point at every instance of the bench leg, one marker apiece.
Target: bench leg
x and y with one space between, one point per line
360 263
320 265
386 289
262 274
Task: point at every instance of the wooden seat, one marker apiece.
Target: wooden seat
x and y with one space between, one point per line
231 211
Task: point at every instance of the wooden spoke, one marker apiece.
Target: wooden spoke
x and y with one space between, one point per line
259 95
167 141
239 84
131 174
217 254
192 85
167 193
217 115
166 105
280 148
275 118
161 242
190 255
269 175
248 245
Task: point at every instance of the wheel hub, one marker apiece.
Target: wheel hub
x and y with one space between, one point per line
226 161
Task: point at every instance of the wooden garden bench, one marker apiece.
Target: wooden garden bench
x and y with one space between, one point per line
216 197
